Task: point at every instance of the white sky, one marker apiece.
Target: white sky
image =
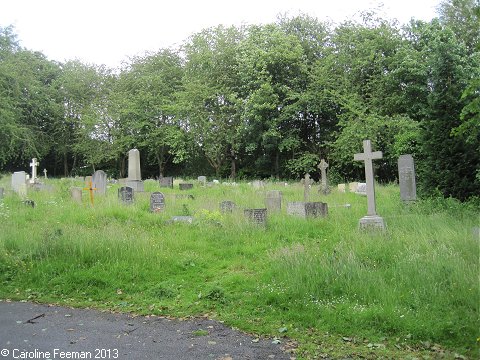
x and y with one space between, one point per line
109 31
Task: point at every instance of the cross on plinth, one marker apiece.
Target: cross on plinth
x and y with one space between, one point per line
45 173
34 165
372 219
323 171
91 189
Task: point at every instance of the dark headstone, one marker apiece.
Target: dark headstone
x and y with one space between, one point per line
227 206
185 186
166 181
256 216
157 202
29 203
125 194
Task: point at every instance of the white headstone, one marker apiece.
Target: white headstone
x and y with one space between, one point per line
19 182
372 219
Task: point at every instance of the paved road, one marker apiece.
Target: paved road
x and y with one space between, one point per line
33 331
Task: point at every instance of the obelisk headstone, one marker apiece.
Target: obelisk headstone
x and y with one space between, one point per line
134 179
406 178
372 220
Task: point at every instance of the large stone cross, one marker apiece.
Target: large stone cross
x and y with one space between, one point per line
367 156
323 171
34 165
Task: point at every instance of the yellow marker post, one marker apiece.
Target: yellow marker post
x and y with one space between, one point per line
91 189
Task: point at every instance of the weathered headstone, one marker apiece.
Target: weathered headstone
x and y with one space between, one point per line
476 233
166 181
19 182
157 202
406 178
353 186
258 184
185 186
202 180
76 194
307 209
125 194
2 192
99 181
34 165
256 216
372 220
323 172
134 174
273 200
306 187
341 188
227 206
361 189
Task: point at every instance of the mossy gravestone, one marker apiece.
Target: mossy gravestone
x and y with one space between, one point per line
273 200
227 206
256 216
166 181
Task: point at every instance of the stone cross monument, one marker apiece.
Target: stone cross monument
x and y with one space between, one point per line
372 219
323 171
34 165
45 173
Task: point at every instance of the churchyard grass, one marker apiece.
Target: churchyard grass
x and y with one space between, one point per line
411 291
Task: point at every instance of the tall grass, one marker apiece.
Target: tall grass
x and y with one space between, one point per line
416 281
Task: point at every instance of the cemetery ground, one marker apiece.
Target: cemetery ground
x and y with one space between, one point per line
320 285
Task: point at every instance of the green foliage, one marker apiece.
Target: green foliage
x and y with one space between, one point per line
415 282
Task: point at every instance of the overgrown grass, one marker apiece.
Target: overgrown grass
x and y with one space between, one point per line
331 287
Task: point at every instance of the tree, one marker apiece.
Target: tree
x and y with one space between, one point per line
147 90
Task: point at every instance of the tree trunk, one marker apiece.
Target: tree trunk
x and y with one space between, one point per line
65 164
277 165
233 171
160 164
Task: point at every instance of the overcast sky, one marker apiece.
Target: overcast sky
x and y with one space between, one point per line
109 31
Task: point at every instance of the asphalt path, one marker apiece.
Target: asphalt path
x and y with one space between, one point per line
35 331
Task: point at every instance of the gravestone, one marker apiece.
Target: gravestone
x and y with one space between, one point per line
353 186
227 206
2 192
256 216
76 194
306 187
202 180
99 181
134 179
34 165
476 233
273 200
45 173
307 209
258 184
166 181
182 218
185 186
406 178
323 172
371 220
19 182
29 203
125 194
341 188
157 202
361 189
